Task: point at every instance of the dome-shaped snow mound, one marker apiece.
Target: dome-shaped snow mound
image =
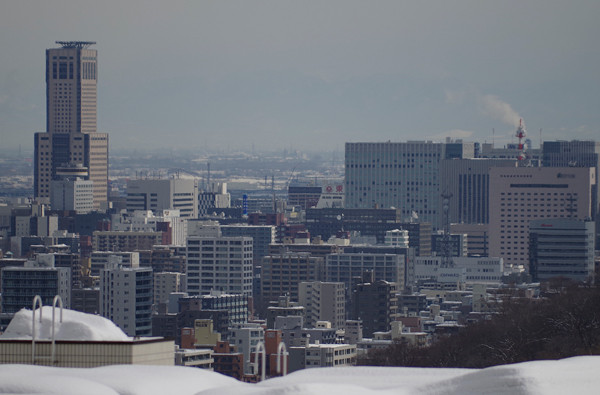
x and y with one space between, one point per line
75 326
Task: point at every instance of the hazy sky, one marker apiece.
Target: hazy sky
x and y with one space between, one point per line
312 74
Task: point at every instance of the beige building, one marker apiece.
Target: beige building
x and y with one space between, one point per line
522 194
71 132
53 336
204 334
89 354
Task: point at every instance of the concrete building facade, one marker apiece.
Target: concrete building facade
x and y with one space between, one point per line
561 248
323 301
126 298
344 267
468 182
522 194
71 135
401 175
219 264
282 274
19 285
163 194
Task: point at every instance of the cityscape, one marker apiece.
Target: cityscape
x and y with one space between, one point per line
247 260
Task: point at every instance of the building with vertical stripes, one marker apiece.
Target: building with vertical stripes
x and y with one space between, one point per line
405 176
468 183
71 136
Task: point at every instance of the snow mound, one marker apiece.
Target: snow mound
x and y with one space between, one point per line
574 375
109 380
75 326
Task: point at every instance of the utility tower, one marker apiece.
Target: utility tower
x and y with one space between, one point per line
446 246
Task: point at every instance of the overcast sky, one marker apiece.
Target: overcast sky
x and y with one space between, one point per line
312 74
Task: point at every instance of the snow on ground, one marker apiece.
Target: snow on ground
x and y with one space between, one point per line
574 375
117 379
75 326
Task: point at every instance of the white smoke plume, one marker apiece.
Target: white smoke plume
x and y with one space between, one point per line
493 107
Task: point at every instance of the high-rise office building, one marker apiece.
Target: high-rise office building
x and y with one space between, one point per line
467 182
576 153
520 195
560 247
71 136
401 175
126 296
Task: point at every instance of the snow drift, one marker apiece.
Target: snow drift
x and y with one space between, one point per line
574 375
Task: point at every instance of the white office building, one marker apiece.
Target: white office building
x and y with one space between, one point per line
466 270
219 264
165 194
169 221
396 238
100 260
126 298
72 195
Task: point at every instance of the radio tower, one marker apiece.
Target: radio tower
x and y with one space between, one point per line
446 243
521 133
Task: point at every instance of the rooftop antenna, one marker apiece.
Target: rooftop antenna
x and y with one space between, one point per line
273 192
493 137
76 44
207 175
521 134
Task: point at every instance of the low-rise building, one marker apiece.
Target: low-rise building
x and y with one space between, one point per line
322 355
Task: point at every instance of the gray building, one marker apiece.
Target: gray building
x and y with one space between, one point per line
576 153
561 248
126 296
468 183
19 285
347 266
401 175
375 304
458 244
71 191
282 274
324 301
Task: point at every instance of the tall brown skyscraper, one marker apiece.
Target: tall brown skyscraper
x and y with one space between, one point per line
71 112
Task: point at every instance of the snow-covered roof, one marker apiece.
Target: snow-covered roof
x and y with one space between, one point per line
75 326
